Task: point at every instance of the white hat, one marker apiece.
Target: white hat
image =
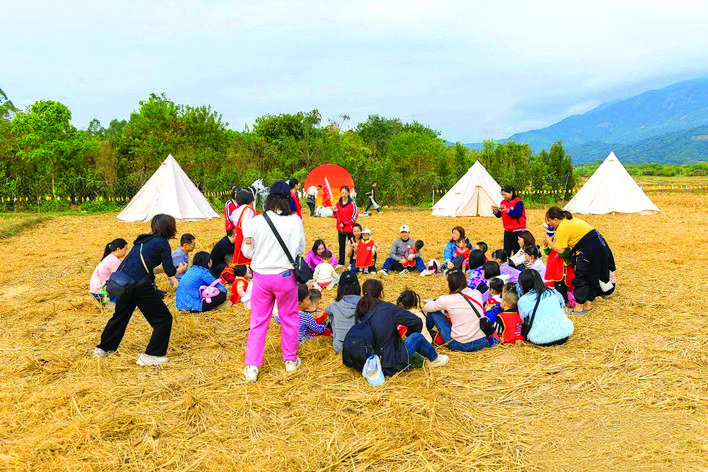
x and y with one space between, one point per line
366 230
404 228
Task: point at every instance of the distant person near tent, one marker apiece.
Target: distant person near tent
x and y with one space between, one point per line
346 214
372 198
513 214
589 254
229 208
312 198
242 217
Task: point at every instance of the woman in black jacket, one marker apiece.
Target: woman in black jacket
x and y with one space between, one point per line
148 252
393 351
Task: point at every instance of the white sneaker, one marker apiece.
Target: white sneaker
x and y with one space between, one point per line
251 373
383 272
145 359
98 352
292 366
425 272
403 272
441 360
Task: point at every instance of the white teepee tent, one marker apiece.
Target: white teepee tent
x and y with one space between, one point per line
169 191
473 195
611 189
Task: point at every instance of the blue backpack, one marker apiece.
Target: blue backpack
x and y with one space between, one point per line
358 344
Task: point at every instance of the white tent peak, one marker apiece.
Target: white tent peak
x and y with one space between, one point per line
473 195
168 191
611 189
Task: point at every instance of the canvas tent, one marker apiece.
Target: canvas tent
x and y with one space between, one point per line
336 176
169 191
473 195
611 189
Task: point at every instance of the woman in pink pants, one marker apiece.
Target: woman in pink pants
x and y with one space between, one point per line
273 279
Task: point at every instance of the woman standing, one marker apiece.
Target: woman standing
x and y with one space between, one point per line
274 279
241 217
229 208
513 214
346 214
589 254
295 206
149 251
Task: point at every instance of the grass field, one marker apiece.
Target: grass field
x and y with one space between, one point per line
629 391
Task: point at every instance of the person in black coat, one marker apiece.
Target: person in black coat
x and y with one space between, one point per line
223 248
148 252
393 351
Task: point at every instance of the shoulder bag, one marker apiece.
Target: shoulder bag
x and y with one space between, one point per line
528 322
120 285
484 324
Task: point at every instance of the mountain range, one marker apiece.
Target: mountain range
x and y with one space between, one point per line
668 125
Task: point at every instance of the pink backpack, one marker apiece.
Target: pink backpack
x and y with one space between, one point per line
208 291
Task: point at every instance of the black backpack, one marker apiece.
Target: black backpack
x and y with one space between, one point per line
358 344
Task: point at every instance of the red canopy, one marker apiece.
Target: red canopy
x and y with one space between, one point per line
336 176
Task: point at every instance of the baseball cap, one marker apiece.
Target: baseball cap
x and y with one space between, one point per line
366 230
280 189
348 278
404 228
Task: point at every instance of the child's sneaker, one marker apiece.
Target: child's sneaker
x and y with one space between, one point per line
98 352
146 359
251 373
439 361
366 270
404 271
383 272
292 366
425 272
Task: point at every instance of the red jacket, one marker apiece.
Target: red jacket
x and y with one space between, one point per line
296 203
346 214
229 208
516 218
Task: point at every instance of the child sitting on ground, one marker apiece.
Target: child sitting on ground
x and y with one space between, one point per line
534 260
411 254
314 309
365 251
482 246
325 276
410 301
181 254
496 287
239 284
308 327
460 260
507 324
110 261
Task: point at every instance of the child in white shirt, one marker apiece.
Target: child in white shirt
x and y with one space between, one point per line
325 276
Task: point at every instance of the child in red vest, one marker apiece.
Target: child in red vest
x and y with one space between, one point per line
365 252
409 257
239 285
507 325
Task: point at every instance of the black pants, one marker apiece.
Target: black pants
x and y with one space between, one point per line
554 343
155 312
312 207
371 203
511 242
215 301
343 238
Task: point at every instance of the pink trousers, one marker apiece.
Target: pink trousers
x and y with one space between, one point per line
268 289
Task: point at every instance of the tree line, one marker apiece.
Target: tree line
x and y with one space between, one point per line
42 153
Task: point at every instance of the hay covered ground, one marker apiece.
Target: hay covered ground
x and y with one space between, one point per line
629 391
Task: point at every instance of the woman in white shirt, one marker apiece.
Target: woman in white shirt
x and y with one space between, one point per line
535 261
274 279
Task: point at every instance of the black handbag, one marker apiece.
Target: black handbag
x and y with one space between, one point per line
528 322
484 324
303 273
120 285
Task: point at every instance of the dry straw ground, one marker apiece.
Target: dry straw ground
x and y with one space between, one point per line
627 392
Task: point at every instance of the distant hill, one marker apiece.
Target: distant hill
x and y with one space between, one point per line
679 147
654 126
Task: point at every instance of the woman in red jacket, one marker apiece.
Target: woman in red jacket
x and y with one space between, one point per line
513 214
346 214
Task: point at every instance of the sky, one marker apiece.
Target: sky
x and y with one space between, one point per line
469 69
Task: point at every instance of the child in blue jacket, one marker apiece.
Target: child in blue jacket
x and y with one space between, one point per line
187 296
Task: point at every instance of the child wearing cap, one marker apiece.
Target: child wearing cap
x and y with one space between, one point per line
365 252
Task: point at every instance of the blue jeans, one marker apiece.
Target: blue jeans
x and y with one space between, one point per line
437 320
417 343
392 264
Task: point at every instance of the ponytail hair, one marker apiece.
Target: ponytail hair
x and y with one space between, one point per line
409 299
533 251
372 289
118 243
234 191
555 213
509 189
